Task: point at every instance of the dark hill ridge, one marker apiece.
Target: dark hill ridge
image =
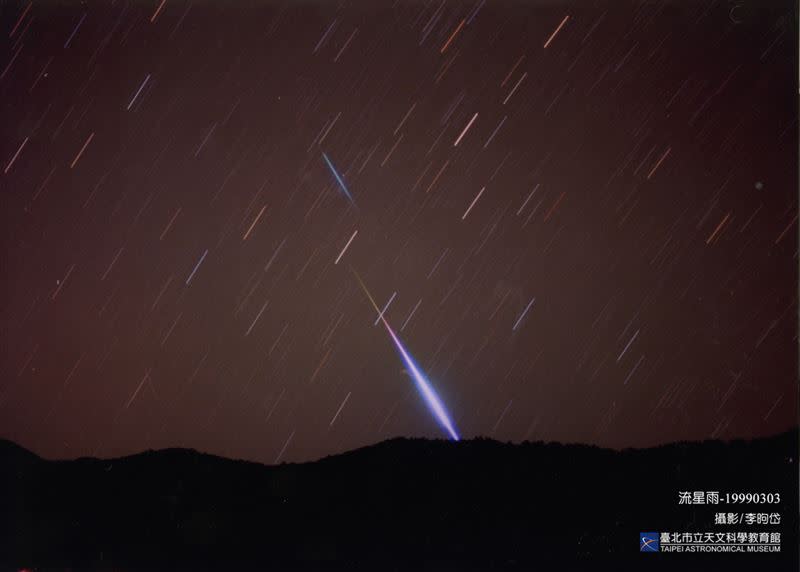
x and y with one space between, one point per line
404 504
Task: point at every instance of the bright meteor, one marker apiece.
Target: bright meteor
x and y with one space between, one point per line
338 178
423 385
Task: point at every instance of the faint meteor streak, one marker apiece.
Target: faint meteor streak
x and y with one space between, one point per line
423 385
338 179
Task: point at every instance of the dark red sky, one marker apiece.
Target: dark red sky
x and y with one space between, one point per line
626 274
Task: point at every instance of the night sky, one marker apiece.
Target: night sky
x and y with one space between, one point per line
580 218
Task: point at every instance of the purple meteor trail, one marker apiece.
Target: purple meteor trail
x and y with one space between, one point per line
423 385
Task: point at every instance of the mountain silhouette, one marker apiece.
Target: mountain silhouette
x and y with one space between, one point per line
403 504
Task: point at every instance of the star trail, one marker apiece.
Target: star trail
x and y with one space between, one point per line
581 216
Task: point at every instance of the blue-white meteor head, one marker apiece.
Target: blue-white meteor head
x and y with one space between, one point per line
424 387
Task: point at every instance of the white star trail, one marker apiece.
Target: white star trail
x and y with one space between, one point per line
472 204
386 307
196 266
525 311
138 91
339 410
346 246
464 132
